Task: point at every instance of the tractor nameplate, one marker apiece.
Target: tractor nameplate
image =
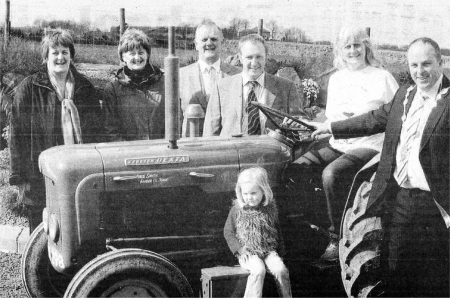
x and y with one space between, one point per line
156 160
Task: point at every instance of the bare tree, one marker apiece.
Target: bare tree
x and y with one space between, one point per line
273 27
245 24
238 25
294 34
235 25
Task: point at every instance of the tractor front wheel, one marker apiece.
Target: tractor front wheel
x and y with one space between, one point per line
129 273
39 277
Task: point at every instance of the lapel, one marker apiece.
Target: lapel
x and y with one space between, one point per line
393 136
196 84
236 96
224 70
436 113
270 90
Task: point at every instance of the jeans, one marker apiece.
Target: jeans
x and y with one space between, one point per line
338 170
257 268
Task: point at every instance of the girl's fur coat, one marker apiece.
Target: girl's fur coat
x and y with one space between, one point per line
256 229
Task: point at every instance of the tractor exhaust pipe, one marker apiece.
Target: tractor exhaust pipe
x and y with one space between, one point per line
171 69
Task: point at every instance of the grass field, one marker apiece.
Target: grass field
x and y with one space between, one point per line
103 54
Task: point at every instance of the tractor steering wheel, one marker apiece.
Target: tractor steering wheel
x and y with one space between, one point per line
302 133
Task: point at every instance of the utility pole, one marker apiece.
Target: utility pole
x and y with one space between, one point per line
122 21
7 24
368 31
260 27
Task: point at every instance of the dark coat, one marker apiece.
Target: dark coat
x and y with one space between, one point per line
434 147
36 122
134 111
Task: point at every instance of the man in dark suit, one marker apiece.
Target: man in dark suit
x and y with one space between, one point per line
411 187
229 110
197 79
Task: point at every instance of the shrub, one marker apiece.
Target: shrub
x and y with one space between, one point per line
445 52
405 78
11 211
21 57
389 47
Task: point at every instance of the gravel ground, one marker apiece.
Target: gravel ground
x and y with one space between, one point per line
10 281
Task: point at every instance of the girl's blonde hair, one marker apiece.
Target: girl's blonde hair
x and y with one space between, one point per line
258 176
360 34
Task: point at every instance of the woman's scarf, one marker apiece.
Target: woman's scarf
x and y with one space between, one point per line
256 229
149 75
70 119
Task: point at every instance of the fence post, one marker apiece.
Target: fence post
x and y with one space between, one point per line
260 27
122 21
368 31
7 23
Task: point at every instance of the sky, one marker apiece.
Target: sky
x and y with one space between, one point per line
391 21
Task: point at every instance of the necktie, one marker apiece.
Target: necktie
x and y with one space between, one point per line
210 79
408 134
254 124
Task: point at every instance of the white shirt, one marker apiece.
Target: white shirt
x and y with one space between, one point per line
353 93
204 70
416 175
245 90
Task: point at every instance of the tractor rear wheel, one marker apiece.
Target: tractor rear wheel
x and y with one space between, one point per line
129 273
359 247
39 277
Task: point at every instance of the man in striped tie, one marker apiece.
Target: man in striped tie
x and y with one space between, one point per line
411 187
230 110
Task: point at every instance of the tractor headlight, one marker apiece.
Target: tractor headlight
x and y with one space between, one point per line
53 227
45 220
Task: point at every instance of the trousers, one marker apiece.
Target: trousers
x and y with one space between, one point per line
416 250
338 170
257 268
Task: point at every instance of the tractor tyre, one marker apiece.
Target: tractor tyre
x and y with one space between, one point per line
129 273
39 277
359 247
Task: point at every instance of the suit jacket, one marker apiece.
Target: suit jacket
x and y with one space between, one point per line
224 115
434 146
192 89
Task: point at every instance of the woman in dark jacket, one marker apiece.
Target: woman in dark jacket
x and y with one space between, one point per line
54 106
134 101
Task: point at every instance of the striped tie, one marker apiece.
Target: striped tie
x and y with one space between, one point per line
254 125
408 134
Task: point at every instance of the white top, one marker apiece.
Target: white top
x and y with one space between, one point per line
353 93
415 173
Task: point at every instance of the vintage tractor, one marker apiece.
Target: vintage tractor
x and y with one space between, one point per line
141 218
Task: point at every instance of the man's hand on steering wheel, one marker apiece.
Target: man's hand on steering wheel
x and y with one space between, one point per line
321 129
291 123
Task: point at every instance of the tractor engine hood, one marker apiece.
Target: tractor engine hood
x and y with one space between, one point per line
146 164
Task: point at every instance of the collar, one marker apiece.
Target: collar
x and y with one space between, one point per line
41 78
152 75
434 90
246 79
204 67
